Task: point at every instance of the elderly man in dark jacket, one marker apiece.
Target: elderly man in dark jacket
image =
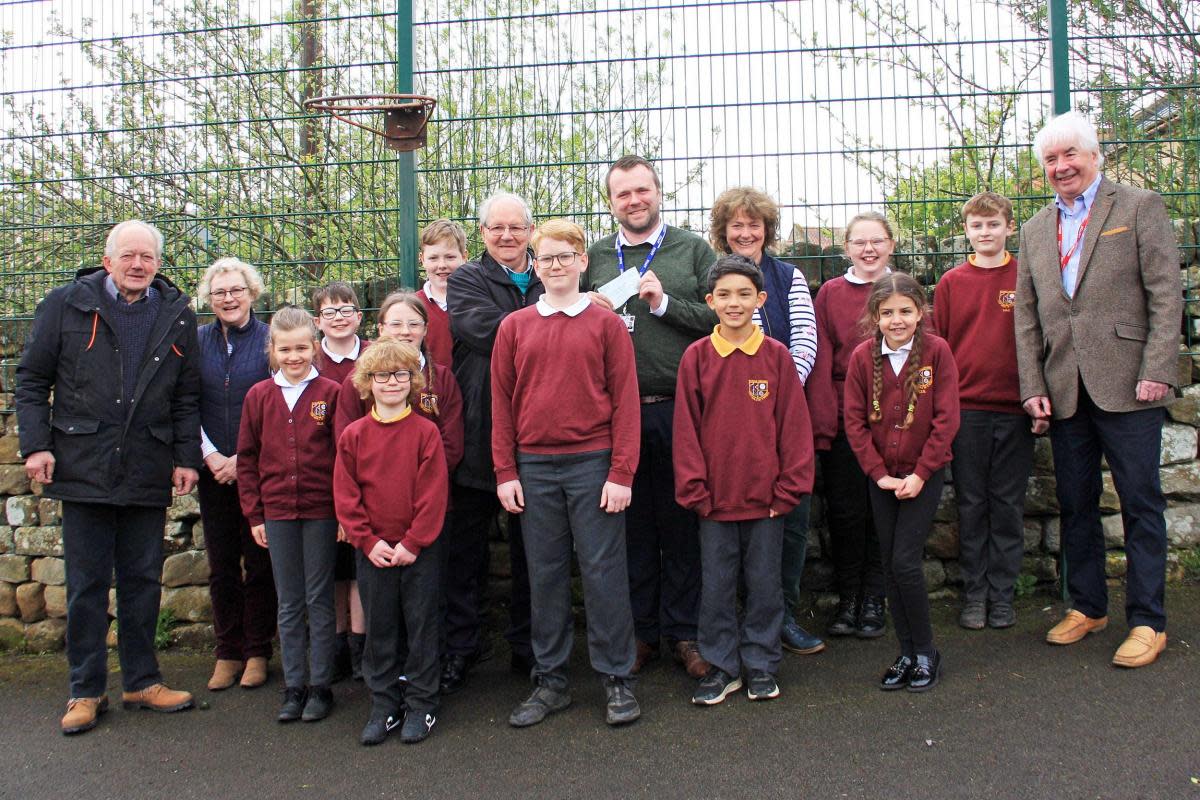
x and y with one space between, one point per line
117 347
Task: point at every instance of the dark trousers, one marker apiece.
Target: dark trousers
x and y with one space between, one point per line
661 540
239 581
401 609
562 511
852 535
98 539
303 555
903 528
752 550
795 551
993 454
1131 443
472 521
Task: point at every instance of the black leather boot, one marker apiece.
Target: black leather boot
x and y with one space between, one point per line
845 619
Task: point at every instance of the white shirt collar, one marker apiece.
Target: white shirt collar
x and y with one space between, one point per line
653 237
428 290
852 278
280 380
573 310
337 358
904 348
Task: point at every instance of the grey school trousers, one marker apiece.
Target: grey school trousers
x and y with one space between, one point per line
303 554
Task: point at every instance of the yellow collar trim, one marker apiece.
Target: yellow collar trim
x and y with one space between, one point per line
375 415
725 347
1007 258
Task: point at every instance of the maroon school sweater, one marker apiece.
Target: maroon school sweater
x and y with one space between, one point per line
973 312
438 340
881 447
443 397
562 385
338 371
285 458
839 307
742 439
391 482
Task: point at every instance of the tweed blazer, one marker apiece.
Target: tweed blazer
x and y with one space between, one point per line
1123 323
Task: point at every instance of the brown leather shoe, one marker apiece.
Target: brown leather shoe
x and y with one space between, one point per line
225 674
255 674
645 654
157 698
1141 647
1074 626
83 713
687 653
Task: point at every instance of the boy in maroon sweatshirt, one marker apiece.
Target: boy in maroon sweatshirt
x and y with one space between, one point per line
566 433
743 459
993 450
390 487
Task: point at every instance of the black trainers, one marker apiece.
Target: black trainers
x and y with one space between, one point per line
1001 615
871 618
715 687
622 706
543 702
845 619
417 727
293 704
377 729
925 673
319 704
763 686
972 615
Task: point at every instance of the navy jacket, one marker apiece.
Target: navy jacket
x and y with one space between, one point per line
777 280
226 377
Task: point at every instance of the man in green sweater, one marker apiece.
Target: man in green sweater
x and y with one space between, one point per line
667 314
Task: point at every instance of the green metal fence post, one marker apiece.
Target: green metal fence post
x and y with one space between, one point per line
407 190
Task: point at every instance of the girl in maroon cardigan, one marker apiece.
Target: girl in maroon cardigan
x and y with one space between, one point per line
285 483
901 415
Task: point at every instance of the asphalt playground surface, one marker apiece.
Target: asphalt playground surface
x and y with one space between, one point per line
1012 718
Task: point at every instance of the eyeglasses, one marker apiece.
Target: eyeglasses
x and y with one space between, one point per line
500 230
564 259
859 244
400 325
401 376
344 311
221 294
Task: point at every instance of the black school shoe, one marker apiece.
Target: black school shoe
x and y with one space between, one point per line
417 727
454 674
377 729
319 704
293 704
1001 615
925 673
845 619
871 618
897 675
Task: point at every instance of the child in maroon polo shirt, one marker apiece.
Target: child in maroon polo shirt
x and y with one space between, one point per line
743 459
993 451
390 487
285 483
901 414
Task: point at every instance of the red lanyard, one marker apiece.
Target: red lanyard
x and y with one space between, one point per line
1065 259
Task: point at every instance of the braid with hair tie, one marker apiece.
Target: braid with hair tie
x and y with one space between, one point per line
910 374
877 381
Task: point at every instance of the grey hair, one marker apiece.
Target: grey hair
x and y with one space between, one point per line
1071 128
110 244
486 206
254 281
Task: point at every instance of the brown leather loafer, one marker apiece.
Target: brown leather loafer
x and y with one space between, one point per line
1141 647
1074 626
255 674
225 674
687 653
157 698
83 713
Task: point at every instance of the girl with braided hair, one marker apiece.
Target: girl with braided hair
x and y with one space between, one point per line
901 415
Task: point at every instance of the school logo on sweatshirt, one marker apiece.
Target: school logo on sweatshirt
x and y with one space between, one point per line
924 378
319 411
429 403
759 390
1007 298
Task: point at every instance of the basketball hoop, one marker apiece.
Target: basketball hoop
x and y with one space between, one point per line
405 116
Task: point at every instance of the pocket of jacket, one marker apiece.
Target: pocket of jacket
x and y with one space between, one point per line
164 433
75 426
1127 330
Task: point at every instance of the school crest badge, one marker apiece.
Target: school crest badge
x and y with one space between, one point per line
1007 298
429 403
759 390
924 379
319 411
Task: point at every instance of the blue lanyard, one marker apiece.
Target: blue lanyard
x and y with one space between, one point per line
649 256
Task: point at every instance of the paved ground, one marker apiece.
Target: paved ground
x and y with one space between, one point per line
1013 718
